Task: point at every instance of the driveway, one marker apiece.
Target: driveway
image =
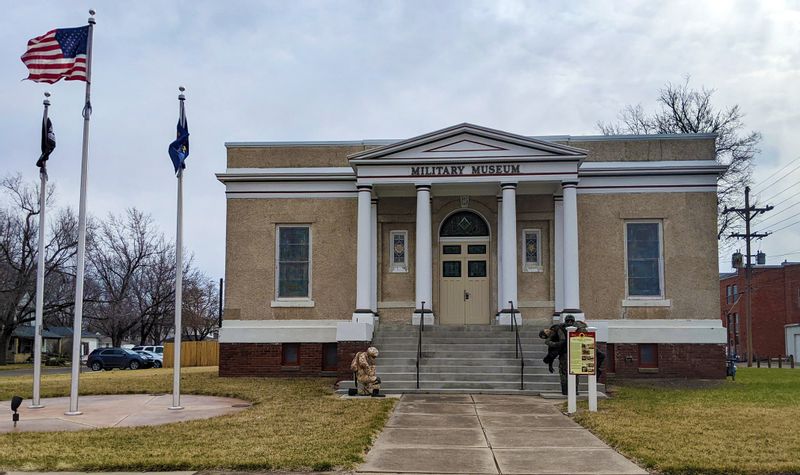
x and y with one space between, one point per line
45 370
488 434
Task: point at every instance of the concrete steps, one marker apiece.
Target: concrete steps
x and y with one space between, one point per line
474 359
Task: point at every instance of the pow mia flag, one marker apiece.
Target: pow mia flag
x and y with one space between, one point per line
48 144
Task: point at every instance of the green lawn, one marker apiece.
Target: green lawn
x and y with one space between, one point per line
747 426
294 424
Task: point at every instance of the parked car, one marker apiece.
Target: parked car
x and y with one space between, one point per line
158 349
157 361
110 358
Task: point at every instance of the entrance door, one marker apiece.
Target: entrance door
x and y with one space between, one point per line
464 282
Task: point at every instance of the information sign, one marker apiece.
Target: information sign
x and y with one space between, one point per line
582 352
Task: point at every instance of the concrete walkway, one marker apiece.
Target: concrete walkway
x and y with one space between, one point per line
128 410
488 434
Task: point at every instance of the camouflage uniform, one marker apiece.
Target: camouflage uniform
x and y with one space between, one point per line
558 340
364 366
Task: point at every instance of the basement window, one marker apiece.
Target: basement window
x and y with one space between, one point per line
648 356
290 354
330 358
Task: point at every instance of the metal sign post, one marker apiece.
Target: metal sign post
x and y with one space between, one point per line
593 376
582 358
572 390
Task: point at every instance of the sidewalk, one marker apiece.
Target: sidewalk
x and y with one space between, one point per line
486 434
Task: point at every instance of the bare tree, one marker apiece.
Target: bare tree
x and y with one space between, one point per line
154 294
19 231
689 111
200 306
119 254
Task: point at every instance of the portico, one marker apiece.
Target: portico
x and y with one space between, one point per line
473 164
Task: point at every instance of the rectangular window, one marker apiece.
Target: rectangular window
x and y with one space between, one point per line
293 262
330 357
476 269
451 269
734 293
451 249
611 358
290 354
648 355
476 249
727 294
398 255
644 259
531 250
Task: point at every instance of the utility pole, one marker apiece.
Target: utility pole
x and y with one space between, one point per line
748 213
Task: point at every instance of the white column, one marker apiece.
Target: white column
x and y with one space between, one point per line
509 246
424 259
558 274
373 284
500 253
571 274
363 258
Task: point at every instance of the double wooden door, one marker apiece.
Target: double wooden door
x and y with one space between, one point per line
464 286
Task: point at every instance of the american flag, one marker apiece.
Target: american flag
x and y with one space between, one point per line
58 54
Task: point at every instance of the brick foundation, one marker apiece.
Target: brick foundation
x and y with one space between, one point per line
264 359
696 361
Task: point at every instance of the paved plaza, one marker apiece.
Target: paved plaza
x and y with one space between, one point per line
488 434
128 410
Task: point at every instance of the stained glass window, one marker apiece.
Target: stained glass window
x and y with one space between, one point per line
476 268
398 254
644 259
294 252
532 250
451 269
464 224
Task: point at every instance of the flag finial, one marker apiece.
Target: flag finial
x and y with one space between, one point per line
91 17
46 99
181 96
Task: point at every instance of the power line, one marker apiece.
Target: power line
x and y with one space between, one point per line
781 192
779 179
786 199
779 212
782 168
787 226
784 254
781 221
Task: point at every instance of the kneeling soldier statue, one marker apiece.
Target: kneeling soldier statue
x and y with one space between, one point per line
364 366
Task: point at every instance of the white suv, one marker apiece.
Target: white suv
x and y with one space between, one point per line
157 349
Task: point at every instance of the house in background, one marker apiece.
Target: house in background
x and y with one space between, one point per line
89 341
775 310
20 346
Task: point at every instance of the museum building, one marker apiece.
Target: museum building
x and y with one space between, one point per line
328 242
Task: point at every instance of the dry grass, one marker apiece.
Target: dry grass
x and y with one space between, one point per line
748 426
13 366
294 424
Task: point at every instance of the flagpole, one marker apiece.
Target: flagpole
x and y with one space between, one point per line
37 336
77 329
176 366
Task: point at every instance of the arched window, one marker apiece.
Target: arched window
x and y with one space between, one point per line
464 224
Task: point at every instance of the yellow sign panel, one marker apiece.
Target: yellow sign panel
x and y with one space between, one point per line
582 352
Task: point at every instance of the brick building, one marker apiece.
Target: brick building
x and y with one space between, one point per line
775 308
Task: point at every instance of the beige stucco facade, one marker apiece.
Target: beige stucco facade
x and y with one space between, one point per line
315 184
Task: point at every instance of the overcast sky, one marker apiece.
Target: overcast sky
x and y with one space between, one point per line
261 71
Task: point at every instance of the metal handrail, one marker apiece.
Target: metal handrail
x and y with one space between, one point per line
518 346
419 338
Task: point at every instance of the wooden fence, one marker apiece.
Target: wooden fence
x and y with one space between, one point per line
193 353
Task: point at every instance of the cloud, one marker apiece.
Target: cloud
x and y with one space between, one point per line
360 70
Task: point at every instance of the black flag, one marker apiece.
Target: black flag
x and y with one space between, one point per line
48 143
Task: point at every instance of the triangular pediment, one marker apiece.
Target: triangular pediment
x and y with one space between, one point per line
468 141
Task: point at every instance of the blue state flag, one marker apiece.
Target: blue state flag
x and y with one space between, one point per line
179 149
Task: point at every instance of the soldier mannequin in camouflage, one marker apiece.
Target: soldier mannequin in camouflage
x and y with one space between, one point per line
558 340
364 366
